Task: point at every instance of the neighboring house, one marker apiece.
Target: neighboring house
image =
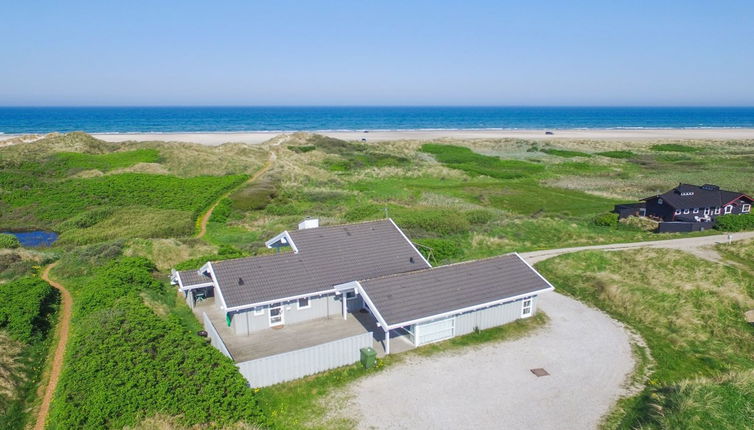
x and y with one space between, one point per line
330 291
687 203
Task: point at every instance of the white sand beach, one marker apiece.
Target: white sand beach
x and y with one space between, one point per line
256 137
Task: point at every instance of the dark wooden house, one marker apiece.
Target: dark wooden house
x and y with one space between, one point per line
692 203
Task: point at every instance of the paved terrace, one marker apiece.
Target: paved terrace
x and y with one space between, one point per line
296 336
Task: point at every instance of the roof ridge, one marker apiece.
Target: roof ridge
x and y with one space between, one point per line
458 263
338 225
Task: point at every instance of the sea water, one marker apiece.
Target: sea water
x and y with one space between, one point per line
14 120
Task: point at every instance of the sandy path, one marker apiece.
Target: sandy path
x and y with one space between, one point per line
205 218
62 335
698 246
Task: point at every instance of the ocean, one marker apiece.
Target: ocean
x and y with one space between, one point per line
18 120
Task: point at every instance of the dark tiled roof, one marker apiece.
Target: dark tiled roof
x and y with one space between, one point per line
701 197
426 293
193 277
327 256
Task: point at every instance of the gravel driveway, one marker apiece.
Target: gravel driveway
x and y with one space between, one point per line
587 354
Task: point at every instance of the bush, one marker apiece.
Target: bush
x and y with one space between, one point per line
606 220
222 211
733 222
439 221
126 362
440 250
479 216
640 223
255 196
363 211
25 306
9 241
86 219
302 149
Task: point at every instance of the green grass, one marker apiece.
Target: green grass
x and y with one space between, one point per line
565 153
689 311
462 158
617 154
674 147
308 403
67 162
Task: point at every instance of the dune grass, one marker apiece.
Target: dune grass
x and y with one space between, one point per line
674 147
617 154
565 153
690 312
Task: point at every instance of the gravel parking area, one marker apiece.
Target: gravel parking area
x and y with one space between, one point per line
587 354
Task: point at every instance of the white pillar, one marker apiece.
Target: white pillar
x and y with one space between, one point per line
387 341
345 306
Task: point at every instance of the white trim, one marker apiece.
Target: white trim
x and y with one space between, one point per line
218 291
409 242
284 235
471 308
728 209
745 208
308 303
193 287
282 299
552 287
372 307
259 311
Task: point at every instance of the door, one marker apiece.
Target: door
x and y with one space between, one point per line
435 331
276 315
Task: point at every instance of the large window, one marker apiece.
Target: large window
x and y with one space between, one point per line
304 303
526 307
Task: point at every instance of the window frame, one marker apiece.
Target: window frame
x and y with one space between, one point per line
308 303
696 210
678 211
686 211
352 295
717 210
728 209
527 307
259 311
745 208
278 306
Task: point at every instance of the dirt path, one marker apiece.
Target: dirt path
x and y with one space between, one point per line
699 246
57 360
205 218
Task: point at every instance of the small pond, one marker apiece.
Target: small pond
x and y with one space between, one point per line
34 238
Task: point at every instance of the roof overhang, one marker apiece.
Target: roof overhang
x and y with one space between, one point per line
282 299
284 239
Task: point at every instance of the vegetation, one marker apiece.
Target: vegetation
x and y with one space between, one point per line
565 153
126 362
9 241
690 312
459 157
674 147
617 154
606 220
27 314
733 222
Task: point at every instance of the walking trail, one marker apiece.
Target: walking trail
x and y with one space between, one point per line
205 218
57 360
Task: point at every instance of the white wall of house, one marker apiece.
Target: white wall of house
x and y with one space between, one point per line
251 320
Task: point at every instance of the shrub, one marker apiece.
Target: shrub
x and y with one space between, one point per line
363 211
255 196
222 211
480 216
640 223
441 221
440 250
606 220
86 219
25 306
9 241
302 149
733 222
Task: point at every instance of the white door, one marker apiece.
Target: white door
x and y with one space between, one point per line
276 314
435 331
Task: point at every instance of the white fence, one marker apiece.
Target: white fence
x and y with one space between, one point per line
302 362
217 341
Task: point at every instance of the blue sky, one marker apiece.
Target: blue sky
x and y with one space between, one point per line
377 53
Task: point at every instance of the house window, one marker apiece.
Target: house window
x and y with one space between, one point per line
696 210
717 211
304 303
729 209
526 308
677 211
276 315
259 310
746 209
350 295
685 211
659 201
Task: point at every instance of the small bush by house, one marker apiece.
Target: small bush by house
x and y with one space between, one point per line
606 220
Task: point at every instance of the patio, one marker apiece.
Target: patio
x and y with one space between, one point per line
296 336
